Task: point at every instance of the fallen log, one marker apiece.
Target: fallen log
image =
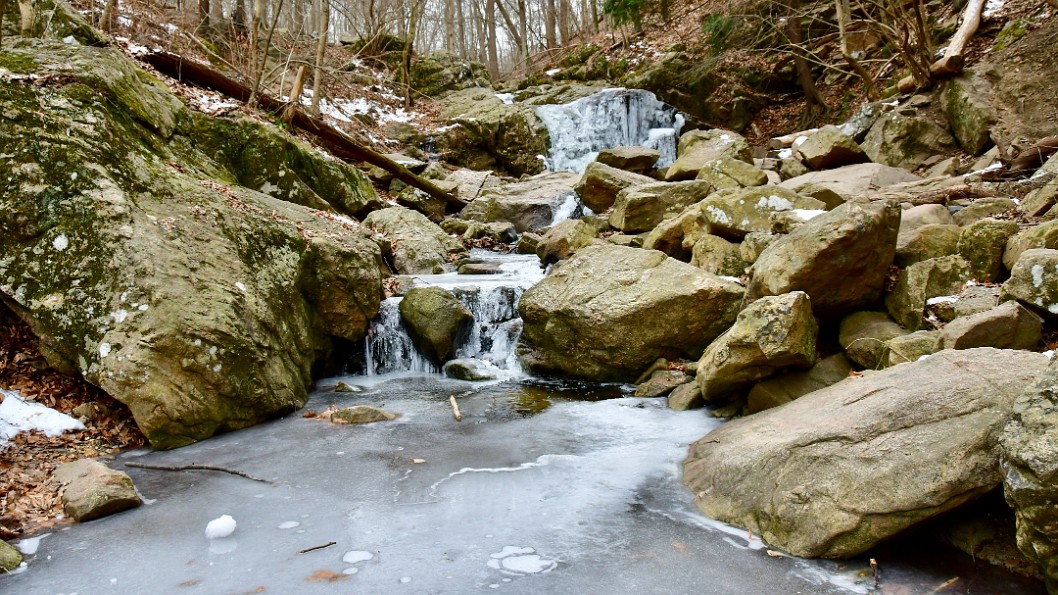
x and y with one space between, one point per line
1033 157
338 143
941 196
952 62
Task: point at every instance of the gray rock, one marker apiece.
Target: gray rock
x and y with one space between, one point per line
678 235
530 204
361 414
920 282
783 389
911 348
916 217
805 476
828 148
686 396
642 208
965 100
865 337
772 334
1034 280
982 208
1041 200
753 245
841 259
1029 459
470 183
92 490
737 212
610 311
853 180
469 369
1044 235
1008 326
717 256
792 168
416 244
638 160
662 383
906 140
436 321
972 300
441 72
727 172
483 133
699 147
599 184
497 231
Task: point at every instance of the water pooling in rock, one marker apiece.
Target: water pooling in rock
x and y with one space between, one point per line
610 118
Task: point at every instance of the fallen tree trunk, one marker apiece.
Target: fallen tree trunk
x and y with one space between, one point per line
941 196
1033 157
952 62
338 143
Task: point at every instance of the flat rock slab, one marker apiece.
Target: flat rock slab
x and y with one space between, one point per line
838 470
93 490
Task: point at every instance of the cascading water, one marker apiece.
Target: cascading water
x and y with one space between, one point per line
610 118
491 299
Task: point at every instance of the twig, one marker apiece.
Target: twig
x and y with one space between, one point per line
194 467
455 408
317 547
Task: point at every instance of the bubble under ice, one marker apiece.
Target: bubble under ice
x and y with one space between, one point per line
610 118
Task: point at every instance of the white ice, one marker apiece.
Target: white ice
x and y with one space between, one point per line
18 415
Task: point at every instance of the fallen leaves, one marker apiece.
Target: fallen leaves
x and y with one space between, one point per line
325 576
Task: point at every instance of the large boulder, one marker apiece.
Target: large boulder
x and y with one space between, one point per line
1029 448
926 242
841 259
416 245
735 213
564 239
965 101
56 20
638 160
806 476
982 244
436 321
906 138
793 385
728 172
828 148
92 490
642 208
1034 280
483 132
699 147
924 280
441 72
853 180
772 334
599 184
529 204
677 236
610 311
1007 326
1044 235
200 304
717 256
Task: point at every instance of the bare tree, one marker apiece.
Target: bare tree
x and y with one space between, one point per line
842 7
323 30
28 26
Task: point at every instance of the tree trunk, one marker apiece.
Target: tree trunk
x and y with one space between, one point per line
523 32
299 17
813 99
479 29
409 45
28 12
203 16
264 55
550 36
321 51
565 27
450 27
490 40
842 7
3 9
952 62
238 15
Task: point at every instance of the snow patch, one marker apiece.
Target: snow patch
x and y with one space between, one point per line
506 98
808 214
355 556
61 242
992 7
1037 275
222 526
775 203
29 545
18 415
943 299
104 349
718 214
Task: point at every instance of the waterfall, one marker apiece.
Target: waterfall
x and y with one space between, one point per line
491 299
610 118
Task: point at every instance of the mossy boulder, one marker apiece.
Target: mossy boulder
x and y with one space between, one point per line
486 133
982 244
906 138
772 334
965 101
925 242
699 147
920 282
62 22
728 172
10 558
610 311
1044 235
1034 280
436 321
415 244
983 208
735 213
441 72
201 305
805 476
642 208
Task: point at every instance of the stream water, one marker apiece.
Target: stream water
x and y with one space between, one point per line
543 487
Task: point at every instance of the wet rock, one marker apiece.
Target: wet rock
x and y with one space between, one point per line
361 414
469 369
770 335
599 184
1034 280
417 245
610 311
502 232
530 204
982 244
564 240
906 138
638 160
920 282
841 259
479 268
662 383
804 476
1029 450
1007 326
828 148
926 242
787 387
342 387
436 321
865 336
528 243
699 147
10 557
735 213
718 256
642 208
92 490
470 183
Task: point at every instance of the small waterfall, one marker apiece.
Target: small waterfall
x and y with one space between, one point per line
491 299
610 118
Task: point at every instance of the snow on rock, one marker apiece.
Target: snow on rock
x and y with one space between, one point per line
222 526
610 118
18 415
